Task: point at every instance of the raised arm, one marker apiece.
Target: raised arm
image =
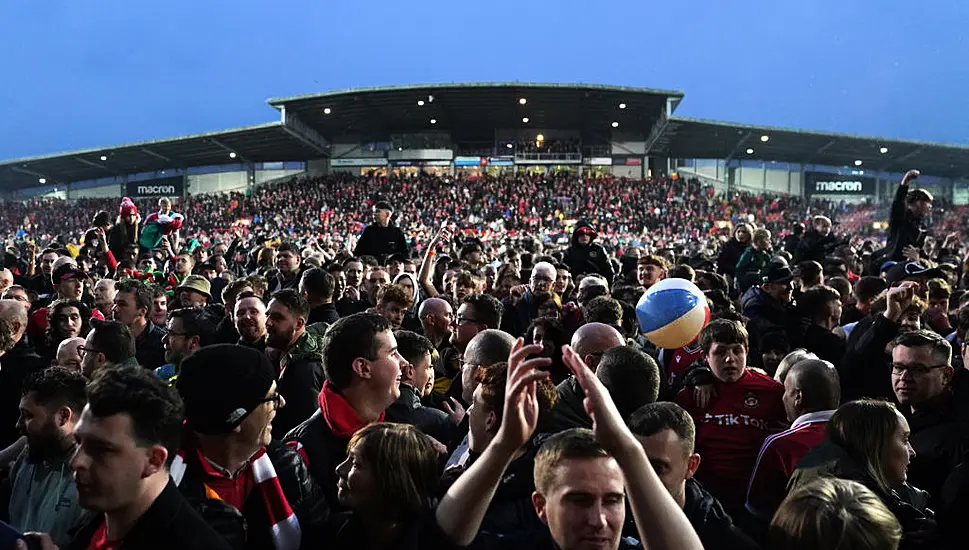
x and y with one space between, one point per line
661 522
463 507
898 204
427 266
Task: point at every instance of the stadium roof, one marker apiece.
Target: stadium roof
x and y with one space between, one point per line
261 143
474 110
708 139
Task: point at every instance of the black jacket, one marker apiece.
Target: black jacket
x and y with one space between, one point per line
325 313
904 228
170 522
380 242
300 382
345 532
729 256
150 346
765 314
250 528
15 366
814 246
714 527
568 412
824 343
346 307
910 505
865 370
940 436
278 282
589 258
323 451
517 317
407 409
532 540
225 331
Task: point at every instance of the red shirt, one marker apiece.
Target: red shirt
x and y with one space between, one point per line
100 540
680 360
777 459
231 490
730 431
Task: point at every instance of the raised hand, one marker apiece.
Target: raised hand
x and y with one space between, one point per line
899 298
607 424
910 176
455 410
520 416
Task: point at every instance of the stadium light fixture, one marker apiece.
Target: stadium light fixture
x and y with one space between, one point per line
750 151
510 146
232 155
765 139
858 163
525 119
883 150
540 137
327 111
420 102
615 124
622 105
103 157
433 121
522 101
42 180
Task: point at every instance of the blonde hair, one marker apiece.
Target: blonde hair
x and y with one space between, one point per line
404 464
761 234
834 514
791 359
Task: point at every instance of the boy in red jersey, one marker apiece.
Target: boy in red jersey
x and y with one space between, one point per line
745 408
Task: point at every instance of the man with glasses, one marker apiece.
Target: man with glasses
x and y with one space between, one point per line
188 330
109 344
934 397
19 293
67 355
477 313
521 306
259 488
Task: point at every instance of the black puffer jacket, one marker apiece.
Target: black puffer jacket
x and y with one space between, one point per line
729 256
589 258
301 379
865 370
712 524
323 451
407 409
250 528
904 228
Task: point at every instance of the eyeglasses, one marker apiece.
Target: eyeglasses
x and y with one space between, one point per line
82 351
465 321
276 399
915 369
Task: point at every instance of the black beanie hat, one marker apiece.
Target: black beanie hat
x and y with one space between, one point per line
221 385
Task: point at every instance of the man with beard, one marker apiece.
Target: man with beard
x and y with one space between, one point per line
866 368
250 320
41 283
257 491
287 272
65 319
301 364
522 305
131 306
225 331
188 330
43 496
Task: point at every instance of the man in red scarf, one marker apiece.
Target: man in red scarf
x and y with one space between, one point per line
362 368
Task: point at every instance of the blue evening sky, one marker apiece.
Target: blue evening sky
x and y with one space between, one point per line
86 73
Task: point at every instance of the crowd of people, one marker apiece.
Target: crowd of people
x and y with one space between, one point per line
356 362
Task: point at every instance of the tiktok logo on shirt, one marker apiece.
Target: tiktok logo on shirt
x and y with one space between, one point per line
727 420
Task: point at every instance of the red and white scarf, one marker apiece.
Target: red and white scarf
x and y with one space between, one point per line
286 533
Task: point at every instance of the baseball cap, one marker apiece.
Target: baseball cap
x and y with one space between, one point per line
901 271
67 271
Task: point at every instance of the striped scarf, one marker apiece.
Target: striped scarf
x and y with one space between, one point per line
286 533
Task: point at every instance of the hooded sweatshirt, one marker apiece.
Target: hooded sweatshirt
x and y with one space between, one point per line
589 258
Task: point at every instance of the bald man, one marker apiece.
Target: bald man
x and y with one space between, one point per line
18 363
67 355
435 315
590 341
812 392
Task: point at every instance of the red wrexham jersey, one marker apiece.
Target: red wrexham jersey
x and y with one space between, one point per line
679 360
777 459
731 430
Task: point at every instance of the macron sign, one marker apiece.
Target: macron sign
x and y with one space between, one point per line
820 183
162 187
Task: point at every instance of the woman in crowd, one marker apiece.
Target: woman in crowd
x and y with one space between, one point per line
868 442
734 248
834 513
387 484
